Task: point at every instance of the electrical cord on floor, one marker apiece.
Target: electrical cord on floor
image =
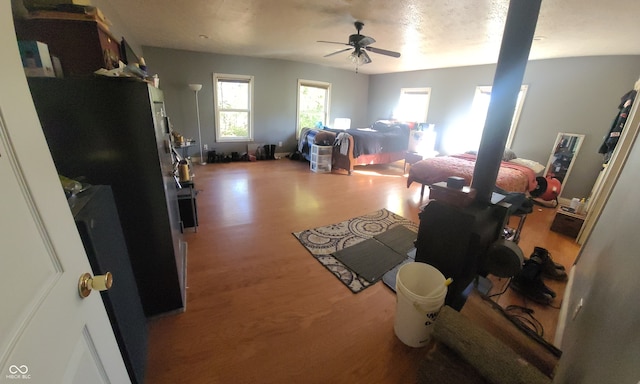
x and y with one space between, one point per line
522 317
506 286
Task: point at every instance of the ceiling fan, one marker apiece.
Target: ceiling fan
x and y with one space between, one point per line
361 45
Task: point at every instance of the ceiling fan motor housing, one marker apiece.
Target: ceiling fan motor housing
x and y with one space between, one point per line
355 39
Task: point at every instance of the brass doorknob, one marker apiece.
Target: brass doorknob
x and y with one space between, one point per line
99 283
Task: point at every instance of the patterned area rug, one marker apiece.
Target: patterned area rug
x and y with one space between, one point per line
321 242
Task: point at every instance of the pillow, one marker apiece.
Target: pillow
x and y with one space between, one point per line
508 155
534 165
382 125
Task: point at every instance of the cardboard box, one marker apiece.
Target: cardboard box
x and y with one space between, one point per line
36 59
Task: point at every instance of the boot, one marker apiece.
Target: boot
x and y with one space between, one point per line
211 157
528 282
272 152
550 269
267 152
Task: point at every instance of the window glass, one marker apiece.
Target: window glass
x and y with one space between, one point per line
413 105
465 135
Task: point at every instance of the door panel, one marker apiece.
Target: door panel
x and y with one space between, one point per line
48 331
83 367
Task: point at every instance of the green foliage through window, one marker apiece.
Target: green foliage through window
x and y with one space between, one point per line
233 107
313 104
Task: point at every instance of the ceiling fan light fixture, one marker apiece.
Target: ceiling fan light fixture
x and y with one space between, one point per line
359 58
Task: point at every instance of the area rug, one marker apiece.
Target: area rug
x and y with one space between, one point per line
369 259
323 242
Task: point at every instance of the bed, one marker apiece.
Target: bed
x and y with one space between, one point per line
383 143
515 175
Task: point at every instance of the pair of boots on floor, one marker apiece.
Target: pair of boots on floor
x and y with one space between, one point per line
528 282
269 152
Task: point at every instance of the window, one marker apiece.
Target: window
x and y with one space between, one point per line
413 105
233 105
313 104
467 134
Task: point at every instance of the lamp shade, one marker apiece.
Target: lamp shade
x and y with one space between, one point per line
195 87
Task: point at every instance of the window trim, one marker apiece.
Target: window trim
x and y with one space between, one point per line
239 78
317 84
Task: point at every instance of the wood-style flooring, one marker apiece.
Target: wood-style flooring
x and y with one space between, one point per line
261 309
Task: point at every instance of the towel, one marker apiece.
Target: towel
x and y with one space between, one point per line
342 141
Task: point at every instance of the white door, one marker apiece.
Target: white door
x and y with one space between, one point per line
48 334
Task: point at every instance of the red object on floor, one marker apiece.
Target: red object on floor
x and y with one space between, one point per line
548 188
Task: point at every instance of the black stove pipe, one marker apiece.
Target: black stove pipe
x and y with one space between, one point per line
512 61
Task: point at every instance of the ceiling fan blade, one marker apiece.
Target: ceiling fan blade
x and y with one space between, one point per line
366 40
336 52
382 51
332 42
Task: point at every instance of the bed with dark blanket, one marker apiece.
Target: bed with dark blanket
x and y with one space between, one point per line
381 144
368 141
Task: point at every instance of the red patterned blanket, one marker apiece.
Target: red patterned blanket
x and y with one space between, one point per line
511 177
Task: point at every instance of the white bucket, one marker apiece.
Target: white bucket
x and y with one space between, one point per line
420 294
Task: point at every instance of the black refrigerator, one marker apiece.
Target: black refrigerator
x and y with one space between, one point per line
114 131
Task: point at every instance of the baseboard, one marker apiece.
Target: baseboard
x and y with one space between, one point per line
563 316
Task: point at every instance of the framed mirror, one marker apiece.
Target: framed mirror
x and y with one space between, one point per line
563 155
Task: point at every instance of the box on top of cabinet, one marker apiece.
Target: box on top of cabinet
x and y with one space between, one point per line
36 59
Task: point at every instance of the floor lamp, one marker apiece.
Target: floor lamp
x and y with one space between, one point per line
196 88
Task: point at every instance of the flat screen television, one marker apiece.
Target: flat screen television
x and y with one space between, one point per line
128 56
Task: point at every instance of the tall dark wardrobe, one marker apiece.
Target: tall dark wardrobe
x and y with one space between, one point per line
113 131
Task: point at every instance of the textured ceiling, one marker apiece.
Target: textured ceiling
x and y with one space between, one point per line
428 33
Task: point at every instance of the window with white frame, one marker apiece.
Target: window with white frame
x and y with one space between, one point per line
233 104
467 133
413 105
314 98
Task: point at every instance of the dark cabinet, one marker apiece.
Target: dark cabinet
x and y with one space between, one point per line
112 131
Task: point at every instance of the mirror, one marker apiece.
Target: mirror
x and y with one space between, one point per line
562 157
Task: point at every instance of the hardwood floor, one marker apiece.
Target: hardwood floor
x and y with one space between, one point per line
261 309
